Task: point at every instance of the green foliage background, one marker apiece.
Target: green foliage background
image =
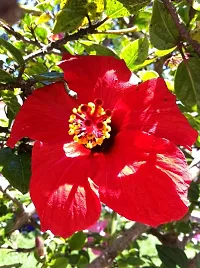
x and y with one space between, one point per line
153 42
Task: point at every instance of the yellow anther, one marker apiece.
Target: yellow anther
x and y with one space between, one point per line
89 124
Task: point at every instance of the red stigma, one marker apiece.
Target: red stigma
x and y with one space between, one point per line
98 102
87 123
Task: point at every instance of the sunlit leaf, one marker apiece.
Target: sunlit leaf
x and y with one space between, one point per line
135 53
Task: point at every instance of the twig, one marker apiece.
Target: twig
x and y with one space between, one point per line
121 243
17 35
181 27
8 194
121 31
23 217
59 43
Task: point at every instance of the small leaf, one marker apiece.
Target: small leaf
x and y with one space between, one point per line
16 169
172 256
187 82
47 77
193 192
135 53
68 20
60 262
146 75
45 17
10 99
163 30
5 77
13 50
97 49
77 241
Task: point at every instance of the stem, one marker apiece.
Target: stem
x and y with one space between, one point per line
59 43
122 242
181 27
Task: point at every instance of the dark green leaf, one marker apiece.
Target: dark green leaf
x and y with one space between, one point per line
187 82
13 50
77 241
5 77
16 169
163 31
172 256
83 262
73 259
135 53
193 193
60 262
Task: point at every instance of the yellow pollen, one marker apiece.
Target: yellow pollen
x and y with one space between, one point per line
89 124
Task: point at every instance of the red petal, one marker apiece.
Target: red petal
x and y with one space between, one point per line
144 178
65 200
151 107
44 116
92 77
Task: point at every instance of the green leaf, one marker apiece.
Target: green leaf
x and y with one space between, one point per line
193 192
16 168
13 50
77 241
60 262
48 77
163 30
161 53
83 262
115 9
68 20
5 77
96 49
10 99
172 256
187 82
71 15
135 53
121 8
146 75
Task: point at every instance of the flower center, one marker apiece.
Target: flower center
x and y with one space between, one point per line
89 124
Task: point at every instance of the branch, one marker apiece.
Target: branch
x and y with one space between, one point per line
122 242
59 43
17 35
23 218
121 31
181 27
9 195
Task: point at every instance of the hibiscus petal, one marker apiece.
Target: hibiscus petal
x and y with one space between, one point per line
152 108
92 77
44 116
66 201
144 178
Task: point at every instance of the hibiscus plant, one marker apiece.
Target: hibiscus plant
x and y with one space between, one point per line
99 121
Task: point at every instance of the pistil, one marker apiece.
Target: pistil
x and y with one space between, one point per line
89 124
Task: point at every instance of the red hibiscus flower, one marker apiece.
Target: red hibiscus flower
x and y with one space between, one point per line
115 143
